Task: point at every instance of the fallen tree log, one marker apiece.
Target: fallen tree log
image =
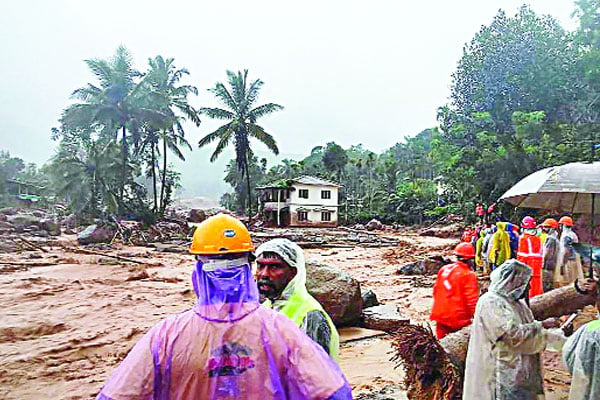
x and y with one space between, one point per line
434 369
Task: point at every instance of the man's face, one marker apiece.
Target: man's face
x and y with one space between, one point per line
272 275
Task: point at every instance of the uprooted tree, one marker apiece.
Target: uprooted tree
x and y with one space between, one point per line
434 369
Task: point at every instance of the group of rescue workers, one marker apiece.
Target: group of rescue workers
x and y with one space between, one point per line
256 332
503 357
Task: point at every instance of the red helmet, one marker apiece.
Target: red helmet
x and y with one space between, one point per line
550 223
528 222
566 220
465 250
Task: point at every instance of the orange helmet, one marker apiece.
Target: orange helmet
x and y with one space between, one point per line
465 250
566 220
550 223
221 234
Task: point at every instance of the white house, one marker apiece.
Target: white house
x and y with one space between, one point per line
304 201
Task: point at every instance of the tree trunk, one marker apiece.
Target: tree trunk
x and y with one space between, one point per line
248 187
154 178
164 175
124 171
445 368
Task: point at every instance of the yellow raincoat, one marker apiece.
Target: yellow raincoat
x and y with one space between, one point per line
500 250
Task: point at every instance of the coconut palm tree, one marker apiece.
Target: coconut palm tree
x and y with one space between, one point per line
113 107
239 100
170 101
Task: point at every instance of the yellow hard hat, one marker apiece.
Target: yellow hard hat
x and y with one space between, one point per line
221 234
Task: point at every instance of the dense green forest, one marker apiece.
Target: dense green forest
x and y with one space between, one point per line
525 95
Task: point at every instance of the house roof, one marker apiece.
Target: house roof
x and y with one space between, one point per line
312 180
305 180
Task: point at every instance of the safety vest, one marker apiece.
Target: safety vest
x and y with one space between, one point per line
530 253
301 303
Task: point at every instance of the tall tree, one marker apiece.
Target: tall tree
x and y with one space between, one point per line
111 108
239 100
170 100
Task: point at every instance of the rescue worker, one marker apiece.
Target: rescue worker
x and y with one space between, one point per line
530 253
569 262
549 252
503 357
480 212
581 354
500 246
479 250
281 278
455 292
513 234
227 346
485 249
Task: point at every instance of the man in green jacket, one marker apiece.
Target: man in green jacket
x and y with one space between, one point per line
281 279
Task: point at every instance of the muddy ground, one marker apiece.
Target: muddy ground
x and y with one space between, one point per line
67 319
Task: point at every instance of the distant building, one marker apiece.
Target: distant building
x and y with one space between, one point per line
304 201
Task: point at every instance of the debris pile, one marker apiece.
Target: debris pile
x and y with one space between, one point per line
341 237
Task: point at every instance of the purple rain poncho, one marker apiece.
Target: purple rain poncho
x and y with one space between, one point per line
226 347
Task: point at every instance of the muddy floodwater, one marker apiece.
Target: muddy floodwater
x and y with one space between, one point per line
67 319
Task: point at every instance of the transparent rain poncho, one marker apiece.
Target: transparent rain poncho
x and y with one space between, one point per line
296 303
226 347
503 360
568 267
581 353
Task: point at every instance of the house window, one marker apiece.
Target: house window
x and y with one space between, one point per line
325 216
303 193
302 216
325 194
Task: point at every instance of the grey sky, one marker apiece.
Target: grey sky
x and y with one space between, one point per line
346 71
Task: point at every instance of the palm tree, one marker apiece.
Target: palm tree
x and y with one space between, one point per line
239 100
171 103
112 108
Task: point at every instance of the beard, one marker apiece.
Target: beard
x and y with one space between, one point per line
267 289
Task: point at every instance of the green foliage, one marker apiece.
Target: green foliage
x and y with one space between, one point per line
240 110
109 140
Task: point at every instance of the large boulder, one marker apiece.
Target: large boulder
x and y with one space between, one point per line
374 224
8 211
426 266
50 226
196 215
337 291
96 234
384 317
70 221
22 221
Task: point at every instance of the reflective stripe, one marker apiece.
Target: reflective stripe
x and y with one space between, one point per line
447 284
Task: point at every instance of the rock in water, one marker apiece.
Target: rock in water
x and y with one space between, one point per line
384 317
96 234
369 299
338 293
22 221
374 224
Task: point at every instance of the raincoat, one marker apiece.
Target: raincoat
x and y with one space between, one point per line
569 262
485 249
549 256
581 354
479 248
500 246
455 295
226 347
514 239
296 303
530 253
503 360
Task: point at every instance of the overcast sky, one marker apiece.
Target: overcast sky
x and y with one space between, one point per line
352 72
